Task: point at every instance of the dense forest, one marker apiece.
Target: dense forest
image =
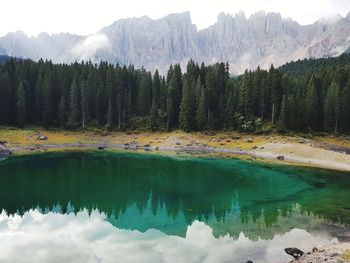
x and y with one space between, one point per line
309 95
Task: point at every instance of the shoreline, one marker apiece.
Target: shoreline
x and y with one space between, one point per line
321 152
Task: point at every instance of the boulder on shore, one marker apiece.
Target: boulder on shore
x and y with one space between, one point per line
294 252
41 137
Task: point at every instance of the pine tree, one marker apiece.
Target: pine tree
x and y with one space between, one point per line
74 105
345 108
311 106
171 102
5 99
101 104
47 101
188 110
39 98
110 114
201 114
144 97
84 103
62 112
283 114
231 105
21 105
154 116
156 85
331 107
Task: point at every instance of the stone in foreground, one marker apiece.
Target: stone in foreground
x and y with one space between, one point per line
294 252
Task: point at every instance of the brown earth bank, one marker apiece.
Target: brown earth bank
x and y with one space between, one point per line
326 151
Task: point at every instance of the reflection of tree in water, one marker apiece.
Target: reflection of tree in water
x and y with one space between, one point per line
142 191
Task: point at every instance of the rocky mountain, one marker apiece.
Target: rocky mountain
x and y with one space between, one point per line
260 40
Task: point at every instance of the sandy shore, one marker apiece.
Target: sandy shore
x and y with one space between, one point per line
336 253
324 152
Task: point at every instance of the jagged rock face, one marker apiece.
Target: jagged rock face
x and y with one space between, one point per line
150 43
260 40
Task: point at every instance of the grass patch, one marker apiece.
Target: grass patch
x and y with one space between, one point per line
346 255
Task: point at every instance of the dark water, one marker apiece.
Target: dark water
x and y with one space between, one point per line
119 207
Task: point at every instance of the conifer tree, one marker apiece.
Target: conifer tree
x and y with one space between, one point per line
331 107
187 109
84 103
311 105
110 114
154 116
62 112
47 101
201 114
74 105
21 105
345 108
5 99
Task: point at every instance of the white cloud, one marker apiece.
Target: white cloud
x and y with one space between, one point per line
89 46
82 238
88 16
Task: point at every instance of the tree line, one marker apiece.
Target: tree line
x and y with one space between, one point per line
203 97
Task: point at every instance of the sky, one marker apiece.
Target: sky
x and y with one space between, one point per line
85 17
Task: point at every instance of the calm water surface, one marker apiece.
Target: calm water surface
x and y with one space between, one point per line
125 207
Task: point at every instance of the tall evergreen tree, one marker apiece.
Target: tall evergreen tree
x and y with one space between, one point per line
75 113
21 105
47 101
84 103
311 106
188 110
5 99
201 114
331 107
345 108
62 112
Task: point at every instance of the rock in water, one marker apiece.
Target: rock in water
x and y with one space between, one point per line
294 252
4 151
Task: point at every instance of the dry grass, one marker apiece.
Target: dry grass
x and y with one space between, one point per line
346 255
266 147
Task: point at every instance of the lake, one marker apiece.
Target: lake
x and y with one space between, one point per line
132 207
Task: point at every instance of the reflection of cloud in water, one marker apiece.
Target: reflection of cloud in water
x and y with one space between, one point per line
56 237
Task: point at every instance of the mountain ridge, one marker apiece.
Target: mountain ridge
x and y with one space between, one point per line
246 43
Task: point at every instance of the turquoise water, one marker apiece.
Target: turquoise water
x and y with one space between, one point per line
144 202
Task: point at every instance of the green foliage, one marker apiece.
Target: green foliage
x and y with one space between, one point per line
331 107
74 105
21 105
309 95
188 108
